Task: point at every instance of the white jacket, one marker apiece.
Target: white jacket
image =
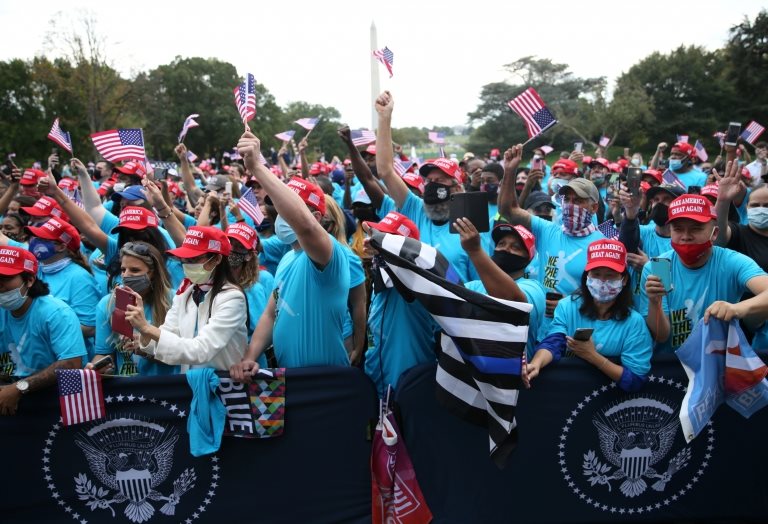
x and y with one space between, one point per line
188 337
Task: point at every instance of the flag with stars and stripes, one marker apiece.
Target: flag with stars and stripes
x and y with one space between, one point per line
483 340
362 137
285 136
245 98
80 395
308 123
683 138
530 107
437 138
189 123
249 205
61 137
608 228
671 179
700 151
120 144
752 132
386 57
720 136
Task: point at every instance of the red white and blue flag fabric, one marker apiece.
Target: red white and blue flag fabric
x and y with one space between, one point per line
308 123
386 57
609 229
80 395
61 137
437 138
700 151
604 141
362 137
245 98
752 132
249 205
285 136
530 107
720 138
189 123
120 144
670 178
683 138
721 367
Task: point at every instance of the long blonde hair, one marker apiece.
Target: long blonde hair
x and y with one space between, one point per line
335 215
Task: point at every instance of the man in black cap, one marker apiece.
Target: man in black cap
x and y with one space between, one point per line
539 204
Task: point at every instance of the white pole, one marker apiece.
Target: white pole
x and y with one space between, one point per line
375 89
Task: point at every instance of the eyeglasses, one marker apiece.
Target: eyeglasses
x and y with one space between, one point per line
135 248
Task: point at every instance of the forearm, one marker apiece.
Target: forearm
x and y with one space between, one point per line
262 336
224 220
91 198
304 164
173 225
149 333
385 162
47 377
8 196
611 370
282 164
657 321
87 331
347 202
204 219
629 234
82 220
723 233
188 181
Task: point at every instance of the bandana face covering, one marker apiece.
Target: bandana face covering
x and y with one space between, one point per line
577 221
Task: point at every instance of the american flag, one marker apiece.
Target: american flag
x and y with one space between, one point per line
669 178
362 137
308 123
191 156
386 57
604 141
80 395
249 205
245 98
189 123
683 138
546 149
608 228
75 197
752 132
700 151
285 136
720 138
61 137
479 369
120 144
530 107
401 168
437 138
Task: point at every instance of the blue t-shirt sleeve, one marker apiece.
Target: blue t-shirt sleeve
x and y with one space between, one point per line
103 328
189 221
387 205
637 346
64 333
356 271
112 250
335 266
746 268
109 222
413 208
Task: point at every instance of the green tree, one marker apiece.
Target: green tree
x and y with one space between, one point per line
324 139
22 130
747 67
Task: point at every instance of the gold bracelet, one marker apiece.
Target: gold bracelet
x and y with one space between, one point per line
170 212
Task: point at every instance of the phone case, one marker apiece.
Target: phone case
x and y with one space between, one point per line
662 268
579 334
473 206
123 299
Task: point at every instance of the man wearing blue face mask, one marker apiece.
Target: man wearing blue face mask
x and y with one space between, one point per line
490 178
681 164
305 315
38 333
562 248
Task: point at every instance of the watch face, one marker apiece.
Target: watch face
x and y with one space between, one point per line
22 385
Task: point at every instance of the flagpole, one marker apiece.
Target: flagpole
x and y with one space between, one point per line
313 128
540 132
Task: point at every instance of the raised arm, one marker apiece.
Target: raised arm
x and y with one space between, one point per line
165 212
509 208
91 198
11 192
385 164
729 188
187 178
77 217
370 184
310 234
303 158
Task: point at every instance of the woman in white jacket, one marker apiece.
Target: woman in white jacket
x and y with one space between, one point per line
206 325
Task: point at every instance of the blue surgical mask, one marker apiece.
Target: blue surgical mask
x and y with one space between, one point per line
604 290
13 299
675 164
55 267
758 217
284 231
42 249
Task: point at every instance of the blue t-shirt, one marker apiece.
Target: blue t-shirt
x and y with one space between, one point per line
272 251
628 338
78 289
439 237
653 244
311 304
356 277
48 331
387 205
403 336
723 277
694 177
126 363
536 295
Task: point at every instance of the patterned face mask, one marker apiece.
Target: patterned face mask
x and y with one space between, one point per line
577 221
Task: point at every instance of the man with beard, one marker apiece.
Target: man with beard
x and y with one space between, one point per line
501 275
442 178
562 248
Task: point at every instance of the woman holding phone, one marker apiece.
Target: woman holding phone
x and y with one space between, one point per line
598 321
143 271
206 325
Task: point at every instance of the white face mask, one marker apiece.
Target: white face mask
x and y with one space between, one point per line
196 273
758 217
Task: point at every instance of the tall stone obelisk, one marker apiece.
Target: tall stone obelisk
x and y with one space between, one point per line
375 89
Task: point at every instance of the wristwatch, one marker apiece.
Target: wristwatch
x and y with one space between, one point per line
23 386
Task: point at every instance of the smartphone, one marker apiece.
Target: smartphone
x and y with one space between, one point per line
578 146
104 362
662 268
538 164
228 188
123 298
734 130
634 177
583 334
54 150
473 206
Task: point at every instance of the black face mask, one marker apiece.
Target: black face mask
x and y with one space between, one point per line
265 224
659 214
435 193
508 262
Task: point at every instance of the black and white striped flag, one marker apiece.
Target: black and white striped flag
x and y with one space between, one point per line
483 340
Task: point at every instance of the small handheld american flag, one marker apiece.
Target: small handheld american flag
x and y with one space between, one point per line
245 98
362 137
120 144
530 107
308 123
285 136
189 123
61 137
752 132
604 141
608 228
250 206
80 395
386 57
437 138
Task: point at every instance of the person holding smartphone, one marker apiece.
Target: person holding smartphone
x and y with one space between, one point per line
142 269
603 303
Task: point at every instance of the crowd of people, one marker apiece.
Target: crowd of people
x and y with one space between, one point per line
208 286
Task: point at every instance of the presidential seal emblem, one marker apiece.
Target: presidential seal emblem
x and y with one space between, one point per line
631 456
132 466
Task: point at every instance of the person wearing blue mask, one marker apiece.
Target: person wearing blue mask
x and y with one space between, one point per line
56 245
681 158
490 178
602 305
38 333
304 317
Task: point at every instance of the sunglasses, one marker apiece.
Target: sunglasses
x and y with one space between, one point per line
135 247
